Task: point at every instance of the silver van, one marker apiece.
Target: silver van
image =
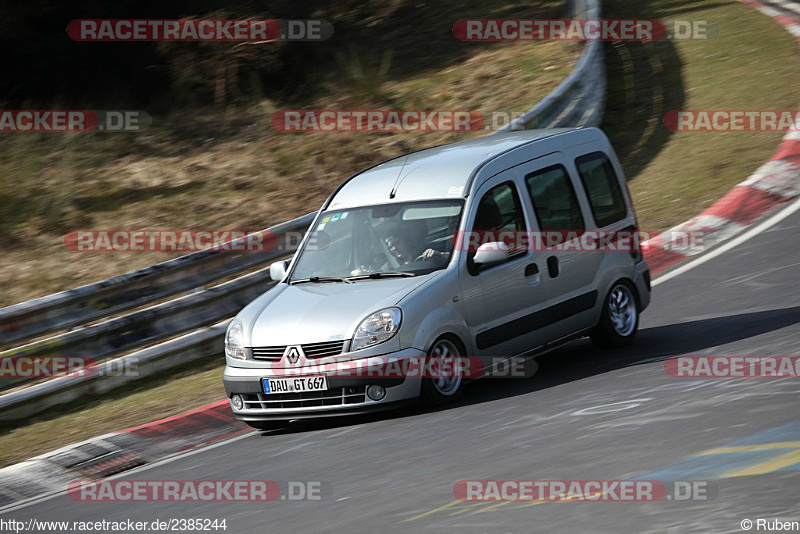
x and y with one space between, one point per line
476 250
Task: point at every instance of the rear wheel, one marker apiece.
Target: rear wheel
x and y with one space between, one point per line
447 386
619 320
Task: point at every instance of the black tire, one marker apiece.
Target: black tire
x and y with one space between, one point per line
437 391
619 321
268 425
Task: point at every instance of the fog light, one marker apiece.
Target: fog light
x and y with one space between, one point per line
376 393
238 402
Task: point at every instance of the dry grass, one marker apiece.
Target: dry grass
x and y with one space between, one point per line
142 402
229 170
752 64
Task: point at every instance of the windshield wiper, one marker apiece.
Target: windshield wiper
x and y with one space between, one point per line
386 274
316 279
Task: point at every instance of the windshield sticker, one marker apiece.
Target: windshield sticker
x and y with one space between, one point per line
326 219
455 191
344 215
335 217
321 226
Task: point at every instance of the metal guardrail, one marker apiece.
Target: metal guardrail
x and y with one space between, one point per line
38 398
137 329
103 299
578 101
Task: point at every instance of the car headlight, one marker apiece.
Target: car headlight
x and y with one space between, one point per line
377 328
234 340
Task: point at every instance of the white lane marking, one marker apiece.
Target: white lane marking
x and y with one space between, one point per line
612 407
747 277
735 242
291 449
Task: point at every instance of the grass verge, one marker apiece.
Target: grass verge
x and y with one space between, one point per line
212 169
752 64
188 387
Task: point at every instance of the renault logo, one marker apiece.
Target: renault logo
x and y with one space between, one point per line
293 353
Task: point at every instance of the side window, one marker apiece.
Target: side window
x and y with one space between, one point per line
554 200
499 211
602 188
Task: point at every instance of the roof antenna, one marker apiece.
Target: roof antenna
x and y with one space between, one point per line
398 180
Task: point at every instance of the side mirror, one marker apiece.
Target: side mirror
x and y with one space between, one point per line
277 271
494 252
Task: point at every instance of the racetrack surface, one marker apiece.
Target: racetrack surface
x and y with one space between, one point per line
585 415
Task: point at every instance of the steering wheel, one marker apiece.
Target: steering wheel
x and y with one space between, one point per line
395 264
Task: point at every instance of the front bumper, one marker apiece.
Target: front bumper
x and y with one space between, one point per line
345 395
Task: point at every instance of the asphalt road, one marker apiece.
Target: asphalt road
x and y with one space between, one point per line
585 415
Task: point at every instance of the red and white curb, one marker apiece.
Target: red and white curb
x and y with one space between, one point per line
786 12
113 453
774 183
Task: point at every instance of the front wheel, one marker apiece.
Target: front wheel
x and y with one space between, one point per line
619 320
448 384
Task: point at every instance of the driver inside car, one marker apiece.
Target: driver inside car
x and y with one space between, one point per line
406 242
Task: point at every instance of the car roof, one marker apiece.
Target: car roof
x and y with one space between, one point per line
434 173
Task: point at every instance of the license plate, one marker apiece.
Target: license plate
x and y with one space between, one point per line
298 384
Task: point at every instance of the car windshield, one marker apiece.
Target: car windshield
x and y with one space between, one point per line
399 239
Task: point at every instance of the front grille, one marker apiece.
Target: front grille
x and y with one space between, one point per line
270 354
332 397
326 348
312 350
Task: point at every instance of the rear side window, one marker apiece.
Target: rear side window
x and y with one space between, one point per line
602 187
554 200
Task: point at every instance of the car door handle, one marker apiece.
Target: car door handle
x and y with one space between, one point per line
531 269
552 266
532 275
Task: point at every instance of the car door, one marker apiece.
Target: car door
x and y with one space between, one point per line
500 298
570 269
